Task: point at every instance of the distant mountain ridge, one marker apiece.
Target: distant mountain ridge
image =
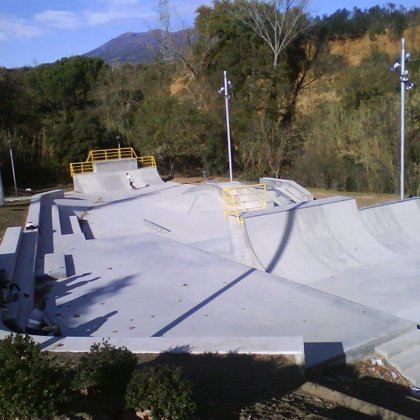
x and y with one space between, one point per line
133 47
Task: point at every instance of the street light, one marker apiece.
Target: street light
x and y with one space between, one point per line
118 138
13 165
1 191
406 84
225 91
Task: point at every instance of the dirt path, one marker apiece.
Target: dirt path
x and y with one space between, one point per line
246 387
13 214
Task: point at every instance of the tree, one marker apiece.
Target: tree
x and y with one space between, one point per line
277 22
64 86
171 129
269 150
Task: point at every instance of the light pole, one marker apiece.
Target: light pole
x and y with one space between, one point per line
1 191
225 90
13 165
118 138
406 84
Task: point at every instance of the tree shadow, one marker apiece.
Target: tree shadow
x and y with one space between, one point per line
349 380
224 384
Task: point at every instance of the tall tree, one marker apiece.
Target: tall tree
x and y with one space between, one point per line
277 22
64 85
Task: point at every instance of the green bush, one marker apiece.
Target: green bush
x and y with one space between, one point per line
163 390
104 371
31 386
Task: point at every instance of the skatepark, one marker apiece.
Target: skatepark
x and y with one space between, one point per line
172 267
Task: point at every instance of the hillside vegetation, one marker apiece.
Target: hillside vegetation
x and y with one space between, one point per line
316 103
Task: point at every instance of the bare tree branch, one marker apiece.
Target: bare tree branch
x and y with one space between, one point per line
276 22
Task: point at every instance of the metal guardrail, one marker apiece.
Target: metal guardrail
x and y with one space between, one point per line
109 154
242 198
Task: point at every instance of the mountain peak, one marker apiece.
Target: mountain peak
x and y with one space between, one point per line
129 47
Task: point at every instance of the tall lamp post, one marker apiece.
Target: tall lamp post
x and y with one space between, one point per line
1 190
406 84
13 165
118 138
225 91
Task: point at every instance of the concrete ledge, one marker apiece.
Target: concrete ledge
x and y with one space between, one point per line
55 265
291 189
75 225
9 250
34 211
281 346
25 261
55 218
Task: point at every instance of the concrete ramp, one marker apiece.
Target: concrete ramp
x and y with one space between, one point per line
287 191
90 183
395 225
308 241
149 176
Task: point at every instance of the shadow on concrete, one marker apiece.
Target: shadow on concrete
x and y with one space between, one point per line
88 328
70 267
200 305
86 230
291 215
64 287
83 330
45 243
317 353
75 308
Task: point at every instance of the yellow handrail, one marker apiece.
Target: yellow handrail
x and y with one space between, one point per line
109 154
242 198
147 161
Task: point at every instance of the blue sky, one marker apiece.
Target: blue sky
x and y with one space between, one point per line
42 31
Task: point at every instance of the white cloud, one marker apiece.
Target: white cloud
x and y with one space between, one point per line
104 17
12 28
59 19
97 13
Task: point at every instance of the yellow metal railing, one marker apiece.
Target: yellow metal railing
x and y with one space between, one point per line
242 198
80 167
146 160
109 154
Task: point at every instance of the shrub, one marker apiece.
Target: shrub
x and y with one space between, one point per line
31 386
163 390
104 371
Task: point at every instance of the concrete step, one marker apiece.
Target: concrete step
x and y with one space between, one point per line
403 353
407 358
412 374
399 344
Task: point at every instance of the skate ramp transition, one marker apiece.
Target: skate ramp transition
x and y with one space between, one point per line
321 286
90 183
318 239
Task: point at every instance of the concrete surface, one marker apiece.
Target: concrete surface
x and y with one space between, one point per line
161 262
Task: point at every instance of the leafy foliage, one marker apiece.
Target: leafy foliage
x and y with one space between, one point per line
163 390
304 113
30 385
65 84
105 370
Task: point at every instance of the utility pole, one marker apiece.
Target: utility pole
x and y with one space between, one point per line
1 191
13 165
406 84
225 91
402 77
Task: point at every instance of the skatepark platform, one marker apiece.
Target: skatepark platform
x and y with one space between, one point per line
160 269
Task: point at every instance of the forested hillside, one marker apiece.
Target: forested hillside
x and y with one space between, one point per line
315 101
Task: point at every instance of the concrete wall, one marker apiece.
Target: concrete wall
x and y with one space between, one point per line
114 165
